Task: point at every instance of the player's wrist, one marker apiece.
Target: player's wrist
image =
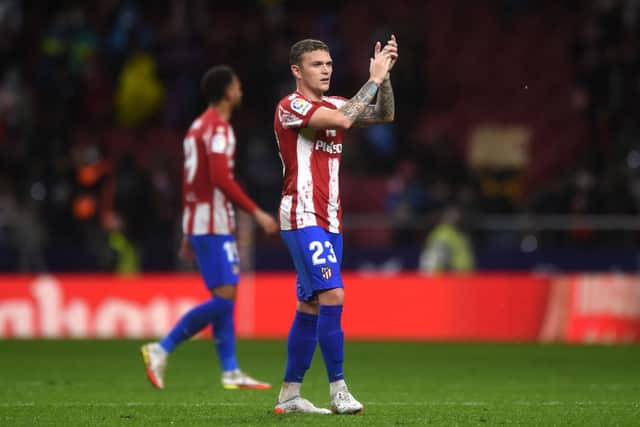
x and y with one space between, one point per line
376 80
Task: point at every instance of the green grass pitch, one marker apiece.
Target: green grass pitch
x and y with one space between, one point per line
95 383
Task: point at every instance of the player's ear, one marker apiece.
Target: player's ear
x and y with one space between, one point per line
227 92
295 70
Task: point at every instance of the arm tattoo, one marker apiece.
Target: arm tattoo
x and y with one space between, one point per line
360 101
386 106
384 109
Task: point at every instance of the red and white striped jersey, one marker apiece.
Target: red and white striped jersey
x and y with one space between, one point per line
209 188
311 163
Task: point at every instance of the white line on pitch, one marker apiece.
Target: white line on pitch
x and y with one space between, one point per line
247 404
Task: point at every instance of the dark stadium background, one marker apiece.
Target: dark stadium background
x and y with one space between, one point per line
77 144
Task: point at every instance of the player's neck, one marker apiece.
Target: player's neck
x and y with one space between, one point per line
223 108
311 95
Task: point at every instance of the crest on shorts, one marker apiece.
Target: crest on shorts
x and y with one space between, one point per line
326 272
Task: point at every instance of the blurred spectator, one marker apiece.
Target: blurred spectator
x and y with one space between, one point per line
20 220
11 23
128 29
405 200
447 247
16 116
125 255
139 92
130 219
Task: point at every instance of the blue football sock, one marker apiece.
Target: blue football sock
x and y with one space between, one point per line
193 321
331 340
301 344
224 337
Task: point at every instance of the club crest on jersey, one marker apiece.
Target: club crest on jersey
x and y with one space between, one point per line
326 272
218 143
300 106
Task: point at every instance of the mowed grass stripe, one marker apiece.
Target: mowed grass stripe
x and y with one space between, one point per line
76 382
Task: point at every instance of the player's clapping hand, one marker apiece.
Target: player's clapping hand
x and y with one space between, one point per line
391 49
379 64
266 221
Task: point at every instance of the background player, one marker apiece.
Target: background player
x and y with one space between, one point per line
309 129
208 223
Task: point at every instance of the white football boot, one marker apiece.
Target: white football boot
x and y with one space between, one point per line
343 402
155 360
299 405
237 379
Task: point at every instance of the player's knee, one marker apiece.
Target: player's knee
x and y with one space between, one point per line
332 297
224 291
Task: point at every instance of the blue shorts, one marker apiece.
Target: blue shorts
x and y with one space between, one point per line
317 256
217 257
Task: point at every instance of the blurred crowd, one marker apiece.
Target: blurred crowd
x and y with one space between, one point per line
95 98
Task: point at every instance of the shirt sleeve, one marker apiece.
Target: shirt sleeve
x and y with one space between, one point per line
221 175
338 101
296 112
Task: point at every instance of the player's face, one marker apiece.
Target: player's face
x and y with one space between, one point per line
315 70
234 92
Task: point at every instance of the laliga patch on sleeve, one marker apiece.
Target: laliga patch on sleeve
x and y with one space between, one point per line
301 106
287 118
218 143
